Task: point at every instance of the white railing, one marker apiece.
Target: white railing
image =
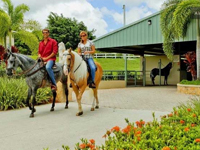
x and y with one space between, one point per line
114 55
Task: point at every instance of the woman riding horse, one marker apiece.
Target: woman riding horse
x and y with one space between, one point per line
86 48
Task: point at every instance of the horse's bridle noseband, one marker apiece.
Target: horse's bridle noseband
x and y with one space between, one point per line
70 64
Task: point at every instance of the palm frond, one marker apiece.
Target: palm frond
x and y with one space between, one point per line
18 15
182 16
5 24
29 39
167 26
8 6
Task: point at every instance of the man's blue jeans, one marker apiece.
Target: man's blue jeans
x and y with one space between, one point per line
49 69
92 67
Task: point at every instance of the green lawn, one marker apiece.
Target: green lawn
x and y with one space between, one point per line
118 64
115 64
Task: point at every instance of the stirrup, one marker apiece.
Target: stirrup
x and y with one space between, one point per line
92 85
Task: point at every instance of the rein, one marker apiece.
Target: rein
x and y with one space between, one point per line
27 71
78 65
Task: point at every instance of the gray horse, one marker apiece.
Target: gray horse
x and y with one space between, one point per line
36 76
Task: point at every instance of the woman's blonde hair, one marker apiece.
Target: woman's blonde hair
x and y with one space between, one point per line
83 32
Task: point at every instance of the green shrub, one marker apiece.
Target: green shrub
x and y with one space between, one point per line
13 93
178 130
196 82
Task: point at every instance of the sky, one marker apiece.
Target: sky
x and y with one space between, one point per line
103 15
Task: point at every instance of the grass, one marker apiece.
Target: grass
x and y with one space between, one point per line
196 82
118 64
114 64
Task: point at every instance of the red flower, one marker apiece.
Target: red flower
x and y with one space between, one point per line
186 129
92 141
138 138
194 115
166 148
170 115
138 132
197 140
125 130
189 109
182 121
193 125
116 128
82 146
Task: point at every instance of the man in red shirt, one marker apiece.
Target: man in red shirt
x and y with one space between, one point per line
48 48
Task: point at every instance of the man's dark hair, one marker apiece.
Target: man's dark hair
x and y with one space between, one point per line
45 30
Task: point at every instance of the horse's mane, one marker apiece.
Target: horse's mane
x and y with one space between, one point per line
167 66
81 72
24 58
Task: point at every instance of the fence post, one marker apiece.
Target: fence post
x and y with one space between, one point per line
160 70
135 78
144 71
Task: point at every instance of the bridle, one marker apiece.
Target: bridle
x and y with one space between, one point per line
27 71
68 66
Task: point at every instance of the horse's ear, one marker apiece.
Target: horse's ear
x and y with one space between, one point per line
70 50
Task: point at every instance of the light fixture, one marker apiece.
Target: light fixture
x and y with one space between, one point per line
149 22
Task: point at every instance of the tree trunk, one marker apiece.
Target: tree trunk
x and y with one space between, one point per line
198 47
10 39
4 41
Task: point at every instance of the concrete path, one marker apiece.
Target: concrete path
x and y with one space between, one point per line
53 129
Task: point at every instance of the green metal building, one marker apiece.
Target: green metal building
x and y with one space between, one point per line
144 37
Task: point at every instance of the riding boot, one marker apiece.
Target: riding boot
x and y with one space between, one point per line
53 87
92 85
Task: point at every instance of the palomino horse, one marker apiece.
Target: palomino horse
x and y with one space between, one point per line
36 76
79 75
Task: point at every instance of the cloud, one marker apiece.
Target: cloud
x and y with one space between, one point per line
82 10
133 14
152 4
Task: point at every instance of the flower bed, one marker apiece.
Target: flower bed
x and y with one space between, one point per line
177 130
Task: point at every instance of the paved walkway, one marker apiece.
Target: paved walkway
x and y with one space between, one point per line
53 129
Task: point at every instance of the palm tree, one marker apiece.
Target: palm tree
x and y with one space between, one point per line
13 18
175 17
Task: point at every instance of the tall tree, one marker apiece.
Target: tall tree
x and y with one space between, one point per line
67 30
175 17
13 21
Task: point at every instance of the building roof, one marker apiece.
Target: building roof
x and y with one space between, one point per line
139 37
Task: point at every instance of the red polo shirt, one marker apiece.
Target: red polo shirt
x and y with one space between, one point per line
50 47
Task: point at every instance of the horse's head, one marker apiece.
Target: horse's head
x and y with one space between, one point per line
170 65
67 57
12 63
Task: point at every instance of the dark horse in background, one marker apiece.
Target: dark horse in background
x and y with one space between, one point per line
36 76
164 72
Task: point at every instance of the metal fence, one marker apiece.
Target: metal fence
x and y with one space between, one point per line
133 77
114 55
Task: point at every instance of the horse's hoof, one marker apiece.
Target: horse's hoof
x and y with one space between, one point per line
52 109
31 115
97 107
79 113
66 107
92 109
